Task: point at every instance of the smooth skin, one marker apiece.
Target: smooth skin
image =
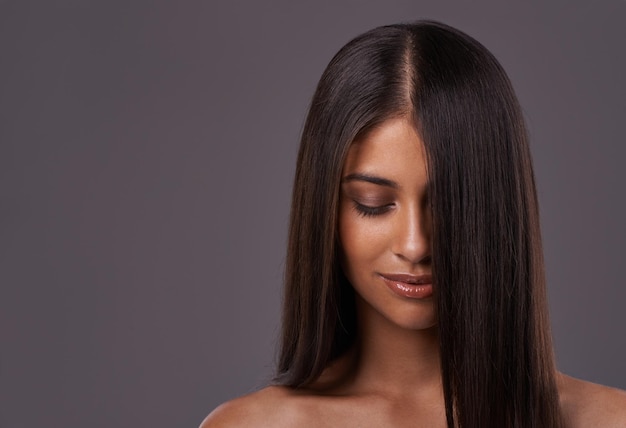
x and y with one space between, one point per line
391 377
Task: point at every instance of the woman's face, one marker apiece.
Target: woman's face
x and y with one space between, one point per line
385 225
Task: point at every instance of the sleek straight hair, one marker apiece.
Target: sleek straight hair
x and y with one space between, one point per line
497 362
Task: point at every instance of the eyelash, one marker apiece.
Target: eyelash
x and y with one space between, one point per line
367 211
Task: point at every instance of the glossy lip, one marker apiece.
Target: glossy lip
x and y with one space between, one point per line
411 286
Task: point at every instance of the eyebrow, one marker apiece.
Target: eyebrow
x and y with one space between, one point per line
370 179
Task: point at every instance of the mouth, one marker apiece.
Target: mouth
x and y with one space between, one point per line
410 286
408 279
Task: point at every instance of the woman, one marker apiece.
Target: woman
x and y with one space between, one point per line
415 292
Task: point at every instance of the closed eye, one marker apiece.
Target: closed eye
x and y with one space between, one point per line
368 211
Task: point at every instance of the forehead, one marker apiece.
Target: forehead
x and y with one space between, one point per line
392 150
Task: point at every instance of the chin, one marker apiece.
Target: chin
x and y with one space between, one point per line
409 315
416 321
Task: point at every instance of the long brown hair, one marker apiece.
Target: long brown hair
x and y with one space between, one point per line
497 363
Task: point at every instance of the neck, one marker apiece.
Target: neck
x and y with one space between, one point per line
395 360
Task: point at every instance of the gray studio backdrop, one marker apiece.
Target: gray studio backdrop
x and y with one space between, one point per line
146 156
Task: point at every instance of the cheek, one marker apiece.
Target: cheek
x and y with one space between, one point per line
363 239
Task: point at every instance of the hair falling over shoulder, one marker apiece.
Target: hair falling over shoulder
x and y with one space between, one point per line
497 364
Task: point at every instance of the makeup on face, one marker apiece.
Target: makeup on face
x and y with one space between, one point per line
385 225
410 286
369 199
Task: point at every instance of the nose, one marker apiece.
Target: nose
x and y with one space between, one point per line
412 235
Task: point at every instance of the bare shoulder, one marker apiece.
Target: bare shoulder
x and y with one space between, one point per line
268 407
587 404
